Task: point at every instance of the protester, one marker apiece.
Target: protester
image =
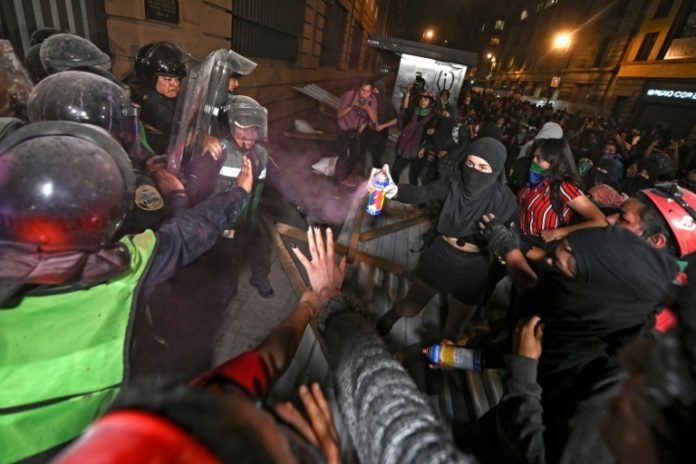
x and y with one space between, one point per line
456 263
553 195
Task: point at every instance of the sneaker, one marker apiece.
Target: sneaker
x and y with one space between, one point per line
263 286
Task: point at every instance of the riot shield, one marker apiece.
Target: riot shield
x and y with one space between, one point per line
15 85
203 93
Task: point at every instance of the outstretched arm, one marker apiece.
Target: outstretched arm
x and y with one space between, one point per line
325 278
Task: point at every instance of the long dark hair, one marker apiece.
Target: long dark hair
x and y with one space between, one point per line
562 168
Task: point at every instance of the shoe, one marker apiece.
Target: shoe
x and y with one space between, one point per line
263 286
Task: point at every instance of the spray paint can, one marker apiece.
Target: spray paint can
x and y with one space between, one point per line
454 356
375 197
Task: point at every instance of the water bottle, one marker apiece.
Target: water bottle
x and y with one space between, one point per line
375 197
456 357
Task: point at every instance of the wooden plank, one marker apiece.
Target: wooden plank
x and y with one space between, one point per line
378 232
360 256
286 260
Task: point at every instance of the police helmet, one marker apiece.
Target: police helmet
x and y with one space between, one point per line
61 52
43 33
86 98
64 186
245 112
159 59
32 62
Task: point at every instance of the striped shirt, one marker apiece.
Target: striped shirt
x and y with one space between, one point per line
536 209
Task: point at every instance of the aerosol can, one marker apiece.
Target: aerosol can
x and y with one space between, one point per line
375 197
452 356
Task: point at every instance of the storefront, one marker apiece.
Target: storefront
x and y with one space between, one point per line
670 102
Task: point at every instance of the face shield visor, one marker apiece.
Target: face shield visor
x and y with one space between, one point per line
203 93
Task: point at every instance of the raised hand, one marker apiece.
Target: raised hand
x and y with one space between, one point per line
325 276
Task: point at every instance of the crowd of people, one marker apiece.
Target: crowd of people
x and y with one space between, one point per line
107 188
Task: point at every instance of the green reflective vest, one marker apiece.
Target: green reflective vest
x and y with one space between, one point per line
62 358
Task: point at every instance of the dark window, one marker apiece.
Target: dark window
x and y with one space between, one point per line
86 18
355 46
663 8
332 38
646 46
601 52
267 28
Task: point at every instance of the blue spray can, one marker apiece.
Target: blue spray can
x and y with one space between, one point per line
456 357
375 197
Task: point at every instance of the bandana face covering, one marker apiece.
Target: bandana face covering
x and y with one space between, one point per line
422 111
537 174
476 181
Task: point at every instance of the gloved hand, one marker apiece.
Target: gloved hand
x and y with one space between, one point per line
500 239
391 189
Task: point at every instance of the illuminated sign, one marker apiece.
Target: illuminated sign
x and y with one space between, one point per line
674 94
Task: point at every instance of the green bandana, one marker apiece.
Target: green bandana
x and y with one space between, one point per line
535 167
422 111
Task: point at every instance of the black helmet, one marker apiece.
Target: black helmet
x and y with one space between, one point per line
86 98
61 52
63 186
41 34
159 59
32 61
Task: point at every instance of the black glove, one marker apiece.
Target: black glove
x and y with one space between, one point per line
500 239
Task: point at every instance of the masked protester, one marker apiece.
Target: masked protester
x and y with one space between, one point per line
417 132
597 291
72 294
552 195
456 263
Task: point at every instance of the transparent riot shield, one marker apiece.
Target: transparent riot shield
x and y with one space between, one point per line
15 84
203 93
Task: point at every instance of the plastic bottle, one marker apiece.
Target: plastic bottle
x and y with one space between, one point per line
375 197
454 356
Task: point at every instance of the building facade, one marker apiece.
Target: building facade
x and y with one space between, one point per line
632 59
294 41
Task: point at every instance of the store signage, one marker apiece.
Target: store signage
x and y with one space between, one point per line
673 94
681 48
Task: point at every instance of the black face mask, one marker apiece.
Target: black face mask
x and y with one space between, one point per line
475 182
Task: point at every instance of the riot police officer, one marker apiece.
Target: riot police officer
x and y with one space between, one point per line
71 295
160 67
246 125
87 97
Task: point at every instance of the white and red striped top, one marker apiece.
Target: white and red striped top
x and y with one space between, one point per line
536 210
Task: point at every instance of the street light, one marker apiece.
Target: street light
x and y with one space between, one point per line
428 34
561 42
